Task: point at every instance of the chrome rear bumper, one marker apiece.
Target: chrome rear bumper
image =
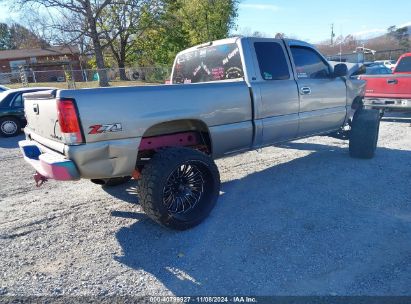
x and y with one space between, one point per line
388 103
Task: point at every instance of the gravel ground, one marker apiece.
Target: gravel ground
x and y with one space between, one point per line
300 219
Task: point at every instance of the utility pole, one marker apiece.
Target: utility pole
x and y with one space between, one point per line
332 34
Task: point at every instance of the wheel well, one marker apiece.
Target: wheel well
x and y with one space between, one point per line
357 103
187 132
20 122
10 116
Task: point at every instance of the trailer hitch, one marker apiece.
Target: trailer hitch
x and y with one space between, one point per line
39 179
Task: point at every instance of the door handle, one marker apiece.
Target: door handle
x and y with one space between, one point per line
305 90
392 81
36 108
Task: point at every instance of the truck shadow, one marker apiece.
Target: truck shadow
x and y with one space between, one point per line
397 117
126 192
10 142
304 227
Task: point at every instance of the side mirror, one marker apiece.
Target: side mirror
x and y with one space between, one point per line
340 70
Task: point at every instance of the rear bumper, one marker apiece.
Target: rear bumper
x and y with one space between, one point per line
388 103
50 164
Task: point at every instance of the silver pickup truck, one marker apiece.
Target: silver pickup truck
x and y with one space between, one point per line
225 97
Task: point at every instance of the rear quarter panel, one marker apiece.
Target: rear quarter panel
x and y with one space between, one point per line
217 104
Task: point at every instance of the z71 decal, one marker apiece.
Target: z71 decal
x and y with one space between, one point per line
98 129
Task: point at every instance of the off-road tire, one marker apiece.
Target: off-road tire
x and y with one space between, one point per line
9 120
156 174
364 133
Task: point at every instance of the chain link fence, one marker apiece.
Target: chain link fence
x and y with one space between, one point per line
86 78
362 57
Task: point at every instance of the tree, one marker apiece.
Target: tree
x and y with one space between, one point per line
5 37
77 18
23 38
207 20
399 34
184 23
248 32
122 24
16 36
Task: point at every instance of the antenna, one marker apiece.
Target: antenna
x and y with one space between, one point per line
341 33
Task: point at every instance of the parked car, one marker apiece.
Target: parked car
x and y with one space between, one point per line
387 63
12 110
377 70
390 92
225 97
370 69
3 88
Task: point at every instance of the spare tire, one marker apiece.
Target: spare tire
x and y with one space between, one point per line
136 75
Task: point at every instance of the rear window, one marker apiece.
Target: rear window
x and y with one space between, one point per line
4 98
211 63
404 65
3 95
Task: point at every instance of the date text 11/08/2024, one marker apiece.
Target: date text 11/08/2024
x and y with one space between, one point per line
171 299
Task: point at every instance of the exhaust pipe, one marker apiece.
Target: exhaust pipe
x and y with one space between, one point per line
99 181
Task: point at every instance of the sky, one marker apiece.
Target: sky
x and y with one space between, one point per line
308 20
311 20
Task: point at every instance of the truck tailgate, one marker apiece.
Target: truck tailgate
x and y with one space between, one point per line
42 118
392 86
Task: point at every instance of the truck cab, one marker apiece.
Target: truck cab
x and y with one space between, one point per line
290 84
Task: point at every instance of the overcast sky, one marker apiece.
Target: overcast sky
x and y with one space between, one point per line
309 20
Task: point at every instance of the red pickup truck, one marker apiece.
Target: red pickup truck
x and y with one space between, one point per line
390 92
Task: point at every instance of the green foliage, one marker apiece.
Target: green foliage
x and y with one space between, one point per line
207 20
16 36
183 23
157 75
5 37
121 24
134 32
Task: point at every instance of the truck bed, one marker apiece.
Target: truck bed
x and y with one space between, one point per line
389 86
221 105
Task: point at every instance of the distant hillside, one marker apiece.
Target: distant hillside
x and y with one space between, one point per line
381 43
384 37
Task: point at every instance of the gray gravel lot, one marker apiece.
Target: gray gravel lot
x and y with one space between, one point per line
300 219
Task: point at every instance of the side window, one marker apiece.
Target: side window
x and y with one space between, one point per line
272 61
18 101
309 64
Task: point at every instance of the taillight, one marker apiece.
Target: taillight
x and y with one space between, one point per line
69 122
